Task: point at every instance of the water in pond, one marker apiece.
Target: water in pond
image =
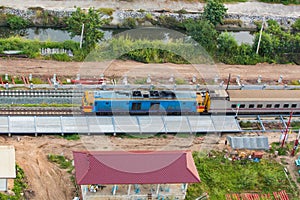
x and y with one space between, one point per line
44 34
243 37
59 35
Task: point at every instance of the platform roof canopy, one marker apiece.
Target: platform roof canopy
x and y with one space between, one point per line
138 167
8 163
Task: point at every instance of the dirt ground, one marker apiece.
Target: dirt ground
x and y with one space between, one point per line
135 71
47 181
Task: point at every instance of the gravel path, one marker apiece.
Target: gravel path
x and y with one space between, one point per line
247 8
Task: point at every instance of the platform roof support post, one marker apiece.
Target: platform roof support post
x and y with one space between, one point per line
8 126
88 127
61 126
114 190
129 188
34 124
113 123
157 189
139 124
190 127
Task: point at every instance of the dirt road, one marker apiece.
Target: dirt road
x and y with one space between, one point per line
134 70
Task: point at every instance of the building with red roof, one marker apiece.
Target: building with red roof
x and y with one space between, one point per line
135 174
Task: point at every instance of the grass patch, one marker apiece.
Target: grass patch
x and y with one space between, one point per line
106 11
135 136
219 176
71 137
140 81
60 160
295 125
295 82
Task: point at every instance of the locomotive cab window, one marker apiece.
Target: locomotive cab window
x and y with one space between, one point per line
136 106
251 105
259 105
277 106
294 105
154 106
286 105
269 106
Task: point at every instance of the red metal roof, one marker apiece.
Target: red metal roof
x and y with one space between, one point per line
138 167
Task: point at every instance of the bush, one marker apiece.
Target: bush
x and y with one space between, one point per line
61 57
16 22
296 25
129 22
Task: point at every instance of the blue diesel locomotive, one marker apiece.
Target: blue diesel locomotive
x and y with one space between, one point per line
145 102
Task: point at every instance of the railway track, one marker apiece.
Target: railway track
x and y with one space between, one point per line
41 93
39 111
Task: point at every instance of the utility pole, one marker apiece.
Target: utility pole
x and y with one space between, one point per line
258 44
228 82
296 144
287 129
81 37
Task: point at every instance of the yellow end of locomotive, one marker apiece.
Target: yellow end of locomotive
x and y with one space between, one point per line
203 102
87 109
88 101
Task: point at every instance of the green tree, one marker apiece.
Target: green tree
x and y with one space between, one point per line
92 23
203 32
227 48
214 11
266 48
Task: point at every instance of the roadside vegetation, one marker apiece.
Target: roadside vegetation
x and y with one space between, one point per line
19 186
220 176
32 48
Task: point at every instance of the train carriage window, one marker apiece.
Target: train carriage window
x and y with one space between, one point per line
276 105
233 106
259 105
294 105
269 106
242 106
136 106
251 105
286 105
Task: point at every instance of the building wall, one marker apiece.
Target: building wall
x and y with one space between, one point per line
3 184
